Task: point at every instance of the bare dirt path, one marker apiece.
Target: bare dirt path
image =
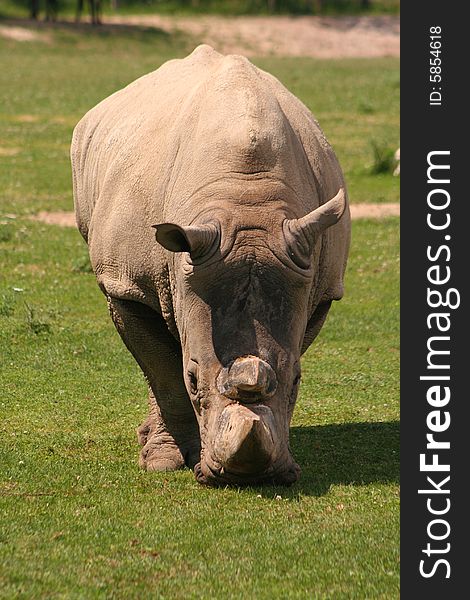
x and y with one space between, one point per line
320 37
358 211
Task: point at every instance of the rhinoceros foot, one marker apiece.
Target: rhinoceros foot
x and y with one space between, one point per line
160 452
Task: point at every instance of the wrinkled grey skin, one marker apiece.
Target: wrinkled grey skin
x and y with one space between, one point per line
218 227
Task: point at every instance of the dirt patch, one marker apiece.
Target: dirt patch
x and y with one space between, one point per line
9 151
26 118
21 34
358 211
63 219
319 37
375 211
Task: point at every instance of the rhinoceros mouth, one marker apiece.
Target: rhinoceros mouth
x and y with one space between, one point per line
245 449
216 476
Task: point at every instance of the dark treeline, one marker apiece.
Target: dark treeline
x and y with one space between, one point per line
51 8
258 6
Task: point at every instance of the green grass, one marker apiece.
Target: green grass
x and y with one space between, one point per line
78 519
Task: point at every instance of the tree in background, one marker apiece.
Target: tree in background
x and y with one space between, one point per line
34 9
52 8
316 7
310 6
95 11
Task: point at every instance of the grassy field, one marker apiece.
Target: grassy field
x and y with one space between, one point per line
78 519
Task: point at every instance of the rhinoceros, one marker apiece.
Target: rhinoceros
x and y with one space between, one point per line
218 227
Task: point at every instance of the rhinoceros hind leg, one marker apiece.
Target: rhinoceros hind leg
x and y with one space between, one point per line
170 435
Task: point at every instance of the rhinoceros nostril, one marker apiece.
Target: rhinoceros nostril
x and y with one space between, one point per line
247 379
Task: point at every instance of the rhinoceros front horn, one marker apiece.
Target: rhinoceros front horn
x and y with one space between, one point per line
195 239
301 234
245 442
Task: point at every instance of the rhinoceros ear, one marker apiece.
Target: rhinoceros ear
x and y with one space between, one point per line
301 234
195 239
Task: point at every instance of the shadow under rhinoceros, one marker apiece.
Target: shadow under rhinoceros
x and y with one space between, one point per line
347 454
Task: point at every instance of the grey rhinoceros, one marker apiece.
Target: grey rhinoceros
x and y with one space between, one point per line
218 226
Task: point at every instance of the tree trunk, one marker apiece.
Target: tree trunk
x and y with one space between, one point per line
97 12
51 10
78 14
34 9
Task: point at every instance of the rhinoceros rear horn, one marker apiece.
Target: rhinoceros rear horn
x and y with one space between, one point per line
301 234
195 239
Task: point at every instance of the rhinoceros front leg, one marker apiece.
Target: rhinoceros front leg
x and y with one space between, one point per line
314 324
170 434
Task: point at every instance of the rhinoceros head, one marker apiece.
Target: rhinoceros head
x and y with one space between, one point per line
241 299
